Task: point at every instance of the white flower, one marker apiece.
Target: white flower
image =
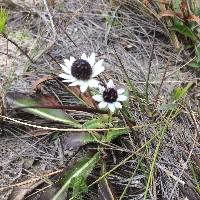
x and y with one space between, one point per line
82 71
110 97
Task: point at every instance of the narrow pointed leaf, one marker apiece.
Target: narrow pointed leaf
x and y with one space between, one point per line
100 122
166 107
81 169
3 19
79 186
47 113
194 64
111 135
183 30
197 51
180 92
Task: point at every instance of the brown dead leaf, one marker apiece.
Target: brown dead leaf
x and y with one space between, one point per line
170 13
37 133
20 192
47 100
183 6
164 2
38 83
51 3
167 13
85 97
146 2
194 18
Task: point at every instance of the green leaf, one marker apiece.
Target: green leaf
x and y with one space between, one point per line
79 186
194 64
3 19
176 5
100 122
183 30
47 113
81 169
111 135
90 137
166 107
180 92
197 51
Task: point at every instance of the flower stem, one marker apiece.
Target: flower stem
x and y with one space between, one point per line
110 118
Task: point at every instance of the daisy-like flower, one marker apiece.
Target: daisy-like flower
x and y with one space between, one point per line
110 97
82 71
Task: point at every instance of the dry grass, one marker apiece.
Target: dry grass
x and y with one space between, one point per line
51 32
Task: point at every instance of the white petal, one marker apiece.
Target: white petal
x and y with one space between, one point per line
110 84
68 81
72 59
118 105
91 59
98 98
101 89
122 98
120 91
93 83
103 104
68 63
111 106
84 57
83 87
75 83
98 68
66 69
67 77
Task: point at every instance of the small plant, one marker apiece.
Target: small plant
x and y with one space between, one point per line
79 74
185 21
181 19
110 108
3 21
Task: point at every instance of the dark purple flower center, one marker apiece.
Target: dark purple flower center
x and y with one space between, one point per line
81 69
110 95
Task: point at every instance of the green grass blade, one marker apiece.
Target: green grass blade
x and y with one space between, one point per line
180 92
82 168
131 178
3 19
162 134
183 30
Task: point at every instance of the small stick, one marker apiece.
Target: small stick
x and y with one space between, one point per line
6 37
149 68
160 86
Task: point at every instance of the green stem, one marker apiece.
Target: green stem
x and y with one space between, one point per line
163 131
110 118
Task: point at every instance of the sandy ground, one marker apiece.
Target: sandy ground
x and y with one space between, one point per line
50 31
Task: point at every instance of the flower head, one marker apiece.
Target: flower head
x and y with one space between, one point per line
110 97
82 71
